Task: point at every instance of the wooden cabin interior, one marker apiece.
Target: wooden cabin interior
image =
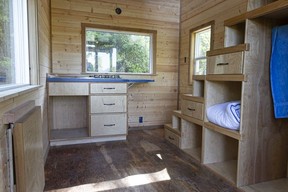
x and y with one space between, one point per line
70 100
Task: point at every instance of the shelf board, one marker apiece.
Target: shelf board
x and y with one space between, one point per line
240 77
199 77
194 152
227 50
174 130
192 120
177 113
68 133
226 169
228 132
191 97
279 185
275 10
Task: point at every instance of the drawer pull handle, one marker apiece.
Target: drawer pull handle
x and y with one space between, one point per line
190 109
218 64
109 88
109 125
109 104
171 138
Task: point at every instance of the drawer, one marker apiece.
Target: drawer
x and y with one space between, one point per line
231 63
112 124
62 89
172 137
108 88
193 109
108 104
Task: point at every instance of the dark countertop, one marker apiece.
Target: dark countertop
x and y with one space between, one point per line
97 80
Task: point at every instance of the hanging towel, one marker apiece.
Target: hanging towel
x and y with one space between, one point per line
279 71
225 114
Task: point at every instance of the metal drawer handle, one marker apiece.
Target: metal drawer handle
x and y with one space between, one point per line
109 87
171 138
218 64
109 104
109 125
190 109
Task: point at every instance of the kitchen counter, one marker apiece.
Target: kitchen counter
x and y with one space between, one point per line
100 80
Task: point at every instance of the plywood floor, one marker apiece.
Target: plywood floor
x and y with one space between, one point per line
145 162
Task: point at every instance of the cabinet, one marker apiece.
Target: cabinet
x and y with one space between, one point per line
108 109
83 112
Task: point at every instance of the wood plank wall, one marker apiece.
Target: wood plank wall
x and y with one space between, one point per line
45 66
153 101
195 13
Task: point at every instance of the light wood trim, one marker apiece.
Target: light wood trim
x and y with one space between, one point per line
170 128
262 11
192 120
226 78
230 133
226 50
199 77
190 97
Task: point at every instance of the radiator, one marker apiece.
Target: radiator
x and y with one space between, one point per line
28 148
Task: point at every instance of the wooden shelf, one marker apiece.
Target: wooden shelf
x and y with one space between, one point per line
226 78
228 132
192 120
275 10
227 50
191 97
194 152
226 169
177 113
169 127
68 133
280 185
199 77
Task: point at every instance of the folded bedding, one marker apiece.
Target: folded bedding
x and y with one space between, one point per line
226 115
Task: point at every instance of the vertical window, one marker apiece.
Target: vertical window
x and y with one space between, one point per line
123 51
200 44
14 50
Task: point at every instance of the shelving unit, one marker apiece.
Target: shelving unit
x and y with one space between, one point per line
255 157
258 151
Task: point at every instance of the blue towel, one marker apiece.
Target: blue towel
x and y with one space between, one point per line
279 70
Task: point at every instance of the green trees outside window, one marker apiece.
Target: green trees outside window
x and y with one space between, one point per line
109 51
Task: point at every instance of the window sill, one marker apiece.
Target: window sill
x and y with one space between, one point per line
8 94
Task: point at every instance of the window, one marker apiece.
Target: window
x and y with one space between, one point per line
14 59
200 43
118 50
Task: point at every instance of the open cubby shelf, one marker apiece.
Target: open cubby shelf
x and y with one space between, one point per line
61 134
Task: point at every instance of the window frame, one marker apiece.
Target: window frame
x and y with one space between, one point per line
192 33
31 42
121 30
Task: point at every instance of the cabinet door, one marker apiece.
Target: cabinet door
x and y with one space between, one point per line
108 88
192 109
108 124
231 63
108 104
